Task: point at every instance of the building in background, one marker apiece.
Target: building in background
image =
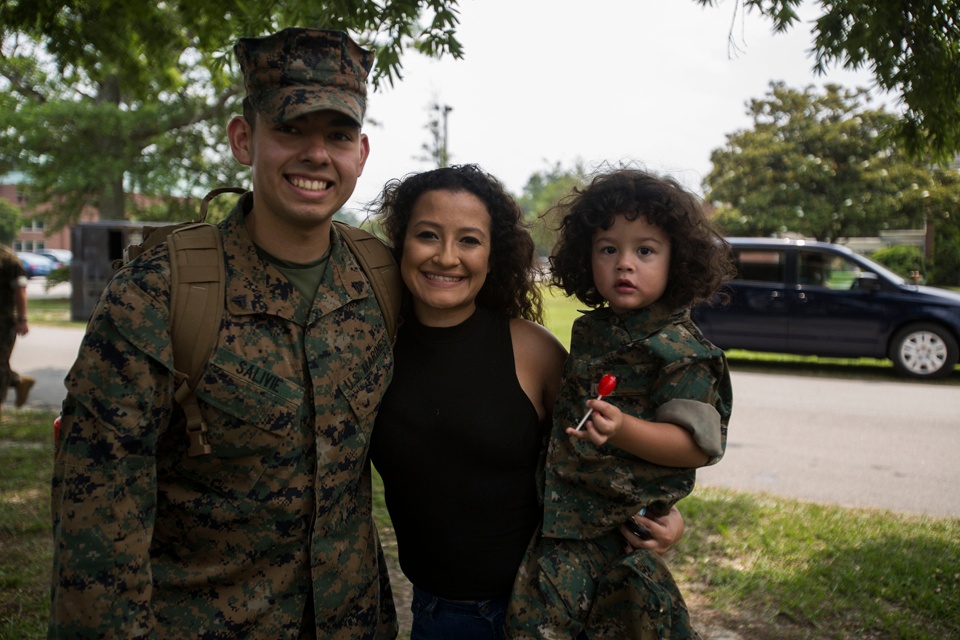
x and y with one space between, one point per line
34 235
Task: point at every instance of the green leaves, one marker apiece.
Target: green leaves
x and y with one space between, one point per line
94 84
542 192
912 47
108 96
821 164
10 221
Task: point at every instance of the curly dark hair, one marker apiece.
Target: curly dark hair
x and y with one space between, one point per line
700 260
510 286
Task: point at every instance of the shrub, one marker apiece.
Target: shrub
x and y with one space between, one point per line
901 259
57 276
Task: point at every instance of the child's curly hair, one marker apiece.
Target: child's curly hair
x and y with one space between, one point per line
510 286
699 257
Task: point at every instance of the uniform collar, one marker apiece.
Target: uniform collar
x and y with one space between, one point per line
256 286
641 323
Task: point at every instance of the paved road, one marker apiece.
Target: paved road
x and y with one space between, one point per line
46 353
884 444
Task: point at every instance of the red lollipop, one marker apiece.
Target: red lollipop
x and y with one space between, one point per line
607 384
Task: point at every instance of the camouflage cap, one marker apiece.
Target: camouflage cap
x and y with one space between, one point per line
298 70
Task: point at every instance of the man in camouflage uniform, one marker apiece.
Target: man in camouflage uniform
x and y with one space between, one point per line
270 534
13 323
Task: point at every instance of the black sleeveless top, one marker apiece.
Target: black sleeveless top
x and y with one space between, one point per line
457 443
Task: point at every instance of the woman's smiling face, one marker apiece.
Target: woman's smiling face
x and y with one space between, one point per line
446 255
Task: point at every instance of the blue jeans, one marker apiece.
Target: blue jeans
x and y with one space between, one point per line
438 619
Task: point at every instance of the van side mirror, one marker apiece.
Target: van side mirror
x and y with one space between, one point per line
867 281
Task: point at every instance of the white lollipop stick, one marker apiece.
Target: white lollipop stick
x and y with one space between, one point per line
585 417
605 388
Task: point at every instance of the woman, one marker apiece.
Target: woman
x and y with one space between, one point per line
460 433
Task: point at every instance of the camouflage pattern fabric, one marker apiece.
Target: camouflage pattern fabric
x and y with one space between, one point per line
297 70
559 598
664 368
11 277
662 362
269 536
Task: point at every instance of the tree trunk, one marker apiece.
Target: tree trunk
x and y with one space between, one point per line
112 199
111 203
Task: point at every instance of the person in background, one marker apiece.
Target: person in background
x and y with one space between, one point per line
461 432
268 534
639 250
13 323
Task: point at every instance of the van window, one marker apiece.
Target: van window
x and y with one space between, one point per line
828 271
759 265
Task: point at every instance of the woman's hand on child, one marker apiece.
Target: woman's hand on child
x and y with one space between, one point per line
604 423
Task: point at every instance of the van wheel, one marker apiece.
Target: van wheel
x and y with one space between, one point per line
923 350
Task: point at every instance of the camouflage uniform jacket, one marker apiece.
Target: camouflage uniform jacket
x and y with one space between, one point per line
149 542
667 372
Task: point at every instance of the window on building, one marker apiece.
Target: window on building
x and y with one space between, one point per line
32 224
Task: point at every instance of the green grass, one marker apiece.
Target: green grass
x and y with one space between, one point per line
51 311
771 568
560 312
768 567
26 456
790 570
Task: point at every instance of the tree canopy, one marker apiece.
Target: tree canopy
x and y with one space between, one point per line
544 189
10 220
825 165
99 100
911 46
104 99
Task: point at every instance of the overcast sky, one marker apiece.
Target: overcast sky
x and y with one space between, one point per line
542 81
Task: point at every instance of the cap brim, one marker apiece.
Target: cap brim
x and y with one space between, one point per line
281 105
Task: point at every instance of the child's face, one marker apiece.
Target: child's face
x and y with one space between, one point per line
631 263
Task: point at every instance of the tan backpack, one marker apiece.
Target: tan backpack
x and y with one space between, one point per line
197 281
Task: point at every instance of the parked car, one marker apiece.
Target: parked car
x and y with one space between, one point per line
34 264
813 298
60 257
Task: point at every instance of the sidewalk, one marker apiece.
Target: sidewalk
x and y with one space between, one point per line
46 353
36 288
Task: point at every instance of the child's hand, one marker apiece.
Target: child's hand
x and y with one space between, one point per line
604 423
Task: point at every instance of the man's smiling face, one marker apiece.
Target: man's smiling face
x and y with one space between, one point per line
304 169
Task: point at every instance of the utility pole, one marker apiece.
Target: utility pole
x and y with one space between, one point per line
444 158
436 149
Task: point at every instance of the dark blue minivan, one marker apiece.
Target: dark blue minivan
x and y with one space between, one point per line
814 298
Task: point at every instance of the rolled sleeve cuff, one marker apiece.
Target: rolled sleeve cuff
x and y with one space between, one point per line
699 418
